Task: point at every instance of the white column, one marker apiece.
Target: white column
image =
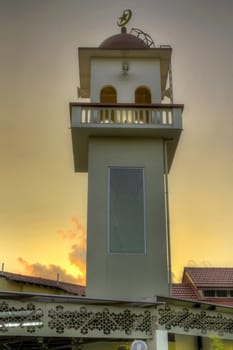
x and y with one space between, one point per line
159 342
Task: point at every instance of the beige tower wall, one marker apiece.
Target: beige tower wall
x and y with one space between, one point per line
124 275
142 72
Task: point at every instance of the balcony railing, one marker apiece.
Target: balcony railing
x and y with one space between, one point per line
153 115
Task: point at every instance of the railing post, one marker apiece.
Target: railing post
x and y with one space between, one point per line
84 115
158 113
95 116
177 120
76 116
121 116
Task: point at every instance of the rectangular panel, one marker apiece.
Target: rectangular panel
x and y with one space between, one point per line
126 210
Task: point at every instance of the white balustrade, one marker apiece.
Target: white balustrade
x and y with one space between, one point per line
98 115
158 116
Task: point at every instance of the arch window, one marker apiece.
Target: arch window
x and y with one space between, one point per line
142 96
108 95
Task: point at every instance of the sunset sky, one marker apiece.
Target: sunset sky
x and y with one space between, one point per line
43 202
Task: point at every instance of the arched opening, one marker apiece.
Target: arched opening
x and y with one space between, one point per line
143 96
108 95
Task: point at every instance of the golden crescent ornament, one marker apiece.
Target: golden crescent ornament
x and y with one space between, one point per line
125 18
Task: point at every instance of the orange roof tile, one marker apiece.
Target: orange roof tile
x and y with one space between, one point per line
184 291
64 286
214 277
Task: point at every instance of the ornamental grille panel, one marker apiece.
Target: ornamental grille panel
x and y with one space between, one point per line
66 319
28 317
186 320
19 318
105 321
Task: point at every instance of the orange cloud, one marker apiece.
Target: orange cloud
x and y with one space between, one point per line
76 232
69 234
76 255
50 272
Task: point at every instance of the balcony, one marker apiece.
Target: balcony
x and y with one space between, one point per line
122 120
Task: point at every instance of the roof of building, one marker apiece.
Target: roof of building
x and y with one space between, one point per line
189 289
184 291
123 41
212 277
69 288
196 279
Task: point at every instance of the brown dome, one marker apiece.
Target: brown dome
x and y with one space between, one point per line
123 41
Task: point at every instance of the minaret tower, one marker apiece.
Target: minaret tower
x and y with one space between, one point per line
125 138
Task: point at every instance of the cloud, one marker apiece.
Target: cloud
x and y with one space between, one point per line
76 235
50 272
77 256
69 234
76 232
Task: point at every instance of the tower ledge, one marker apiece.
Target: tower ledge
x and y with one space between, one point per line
123 120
